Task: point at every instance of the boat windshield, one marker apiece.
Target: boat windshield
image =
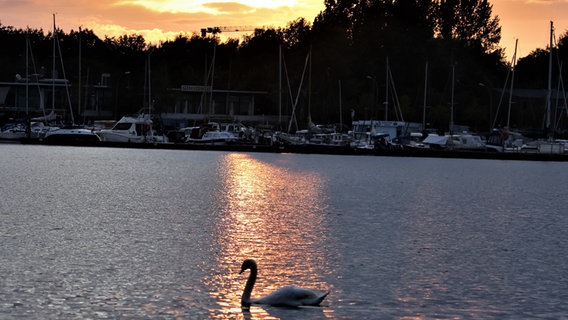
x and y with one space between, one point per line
122 126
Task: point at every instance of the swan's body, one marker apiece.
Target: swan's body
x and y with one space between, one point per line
289 296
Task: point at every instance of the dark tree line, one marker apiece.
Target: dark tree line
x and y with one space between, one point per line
349 43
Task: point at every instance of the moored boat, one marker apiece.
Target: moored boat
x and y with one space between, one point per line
13 131
214 138
70 135
20 131
461 141
132 129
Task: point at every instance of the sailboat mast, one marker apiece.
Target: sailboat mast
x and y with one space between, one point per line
63 73
340 107
387 91
149 87
27 73
211 106
80 84
310 92
425 90
452 99
53 70
549 92
279 87
511 86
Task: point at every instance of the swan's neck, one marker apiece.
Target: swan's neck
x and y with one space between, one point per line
245 299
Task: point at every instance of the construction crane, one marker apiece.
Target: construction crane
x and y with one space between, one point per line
215 30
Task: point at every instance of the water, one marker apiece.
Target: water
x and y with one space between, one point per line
101 233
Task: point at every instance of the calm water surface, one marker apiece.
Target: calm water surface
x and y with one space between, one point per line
101 233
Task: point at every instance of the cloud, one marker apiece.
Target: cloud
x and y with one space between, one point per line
543 2
10 4
229 8
206 6
155 20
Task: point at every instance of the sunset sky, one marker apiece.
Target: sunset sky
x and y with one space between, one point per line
526 20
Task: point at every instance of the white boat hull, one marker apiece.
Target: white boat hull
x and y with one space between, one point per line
71 135
113 136
125 137
8 135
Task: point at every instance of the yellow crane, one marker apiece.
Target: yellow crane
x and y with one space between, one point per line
215 30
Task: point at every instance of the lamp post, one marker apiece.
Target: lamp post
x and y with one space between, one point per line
375 90
490 93
117 103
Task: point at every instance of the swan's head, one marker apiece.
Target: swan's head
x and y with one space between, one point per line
248 264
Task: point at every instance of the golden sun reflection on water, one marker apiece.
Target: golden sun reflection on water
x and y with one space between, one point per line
275 216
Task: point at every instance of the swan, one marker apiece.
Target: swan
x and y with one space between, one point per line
289 296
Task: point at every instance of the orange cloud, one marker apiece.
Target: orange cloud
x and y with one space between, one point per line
230 8
204 6
155 20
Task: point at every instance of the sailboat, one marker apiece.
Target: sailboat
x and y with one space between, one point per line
72 133
378 134
454 140
551 145
18 130
506 140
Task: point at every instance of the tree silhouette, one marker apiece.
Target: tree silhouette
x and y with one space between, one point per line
469 21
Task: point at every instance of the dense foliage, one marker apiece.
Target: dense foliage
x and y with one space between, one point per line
349 44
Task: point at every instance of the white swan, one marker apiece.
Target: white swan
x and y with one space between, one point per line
289 296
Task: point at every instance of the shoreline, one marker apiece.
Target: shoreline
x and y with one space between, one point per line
315 149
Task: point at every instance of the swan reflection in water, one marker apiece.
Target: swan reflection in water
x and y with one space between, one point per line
274 215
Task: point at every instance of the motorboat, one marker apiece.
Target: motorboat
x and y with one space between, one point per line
214 138
19 131
13 131
236 129
70 135
461 141
373 142
132 129
505 141
414 140
373 134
